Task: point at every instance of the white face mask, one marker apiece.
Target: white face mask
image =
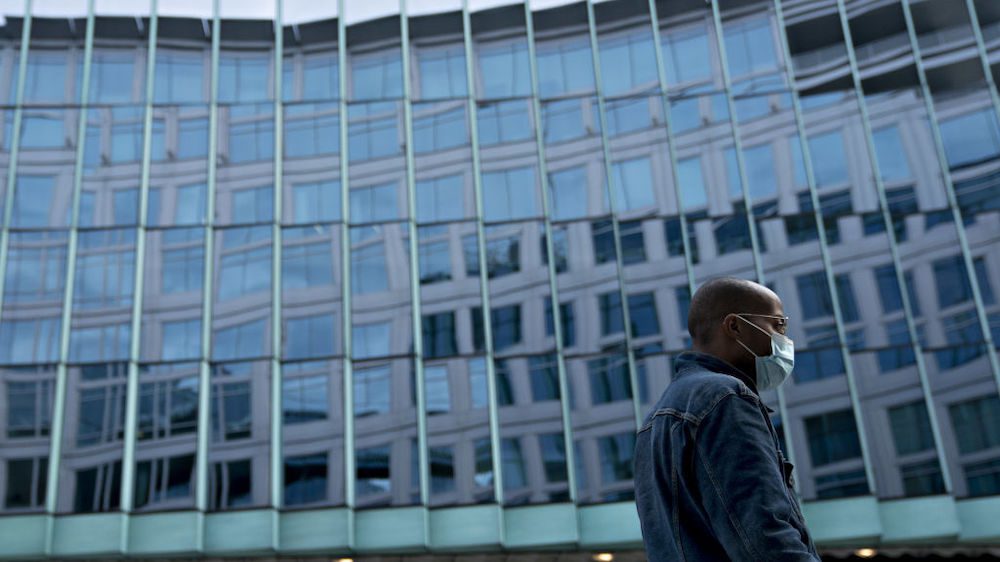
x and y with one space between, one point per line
773 369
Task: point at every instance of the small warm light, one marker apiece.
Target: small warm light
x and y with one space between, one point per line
345 560
604 557
865 553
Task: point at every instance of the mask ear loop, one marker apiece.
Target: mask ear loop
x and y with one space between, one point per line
743 344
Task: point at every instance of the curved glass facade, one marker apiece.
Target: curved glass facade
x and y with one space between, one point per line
271 268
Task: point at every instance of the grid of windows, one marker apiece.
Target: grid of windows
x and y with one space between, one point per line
246 276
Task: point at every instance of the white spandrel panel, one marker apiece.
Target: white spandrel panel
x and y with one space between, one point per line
305 11
184 8
480 5
247 9
59 8
123 7
426 7
357 11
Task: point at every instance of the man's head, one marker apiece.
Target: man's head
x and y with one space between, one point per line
727 311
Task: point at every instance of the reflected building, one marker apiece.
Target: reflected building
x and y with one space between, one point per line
368 277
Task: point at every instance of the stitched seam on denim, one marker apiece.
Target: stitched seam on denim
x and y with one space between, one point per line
669 412
712 406
718 492
675 511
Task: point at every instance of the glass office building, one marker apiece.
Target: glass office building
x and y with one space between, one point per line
405 276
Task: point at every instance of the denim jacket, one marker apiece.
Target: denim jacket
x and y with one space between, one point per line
711 482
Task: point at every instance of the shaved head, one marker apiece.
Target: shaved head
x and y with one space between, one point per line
722 296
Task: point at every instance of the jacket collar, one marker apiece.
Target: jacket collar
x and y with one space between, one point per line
696 360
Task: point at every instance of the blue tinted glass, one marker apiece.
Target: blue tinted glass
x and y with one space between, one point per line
434 129
692 183
569 189
43 130
45 78
310 336
750 46
370 340
368 268
377 75
320 77
686 55
504 69
373 131
253 205
33 200
564 120
374 203
244 263
501 122
442 72
111 76
628 62
191 202
509 194
565 66
828 159
316 201
251 133
798 162
970 138
311 130
892 161
192 138
440 199
179 76
814 295
125 205
685 114
633 183
182 339
240 341
306 264
759 161
627 115
952 281
244 77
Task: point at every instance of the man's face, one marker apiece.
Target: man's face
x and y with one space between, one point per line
769 316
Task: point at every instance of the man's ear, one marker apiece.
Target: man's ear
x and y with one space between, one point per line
731 325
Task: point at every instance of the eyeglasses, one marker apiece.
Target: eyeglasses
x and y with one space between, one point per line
782 320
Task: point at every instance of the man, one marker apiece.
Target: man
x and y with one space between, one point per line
711 482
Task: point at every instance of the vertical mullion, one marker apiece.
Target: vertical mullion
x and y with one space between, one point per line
15 143
800 126
956 213
977 32
277 458
59 406
205 381
484 287
824 252
911 326
737 142
612 206
132 387
411 222
564 391
888 222
671 149
345 281
751 218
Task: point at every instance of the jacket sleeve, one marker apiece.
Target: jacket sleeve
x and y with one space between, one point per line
742 486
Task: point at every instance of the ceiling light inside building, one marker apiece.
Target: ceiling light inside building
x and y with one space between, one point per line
865 553
604 557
